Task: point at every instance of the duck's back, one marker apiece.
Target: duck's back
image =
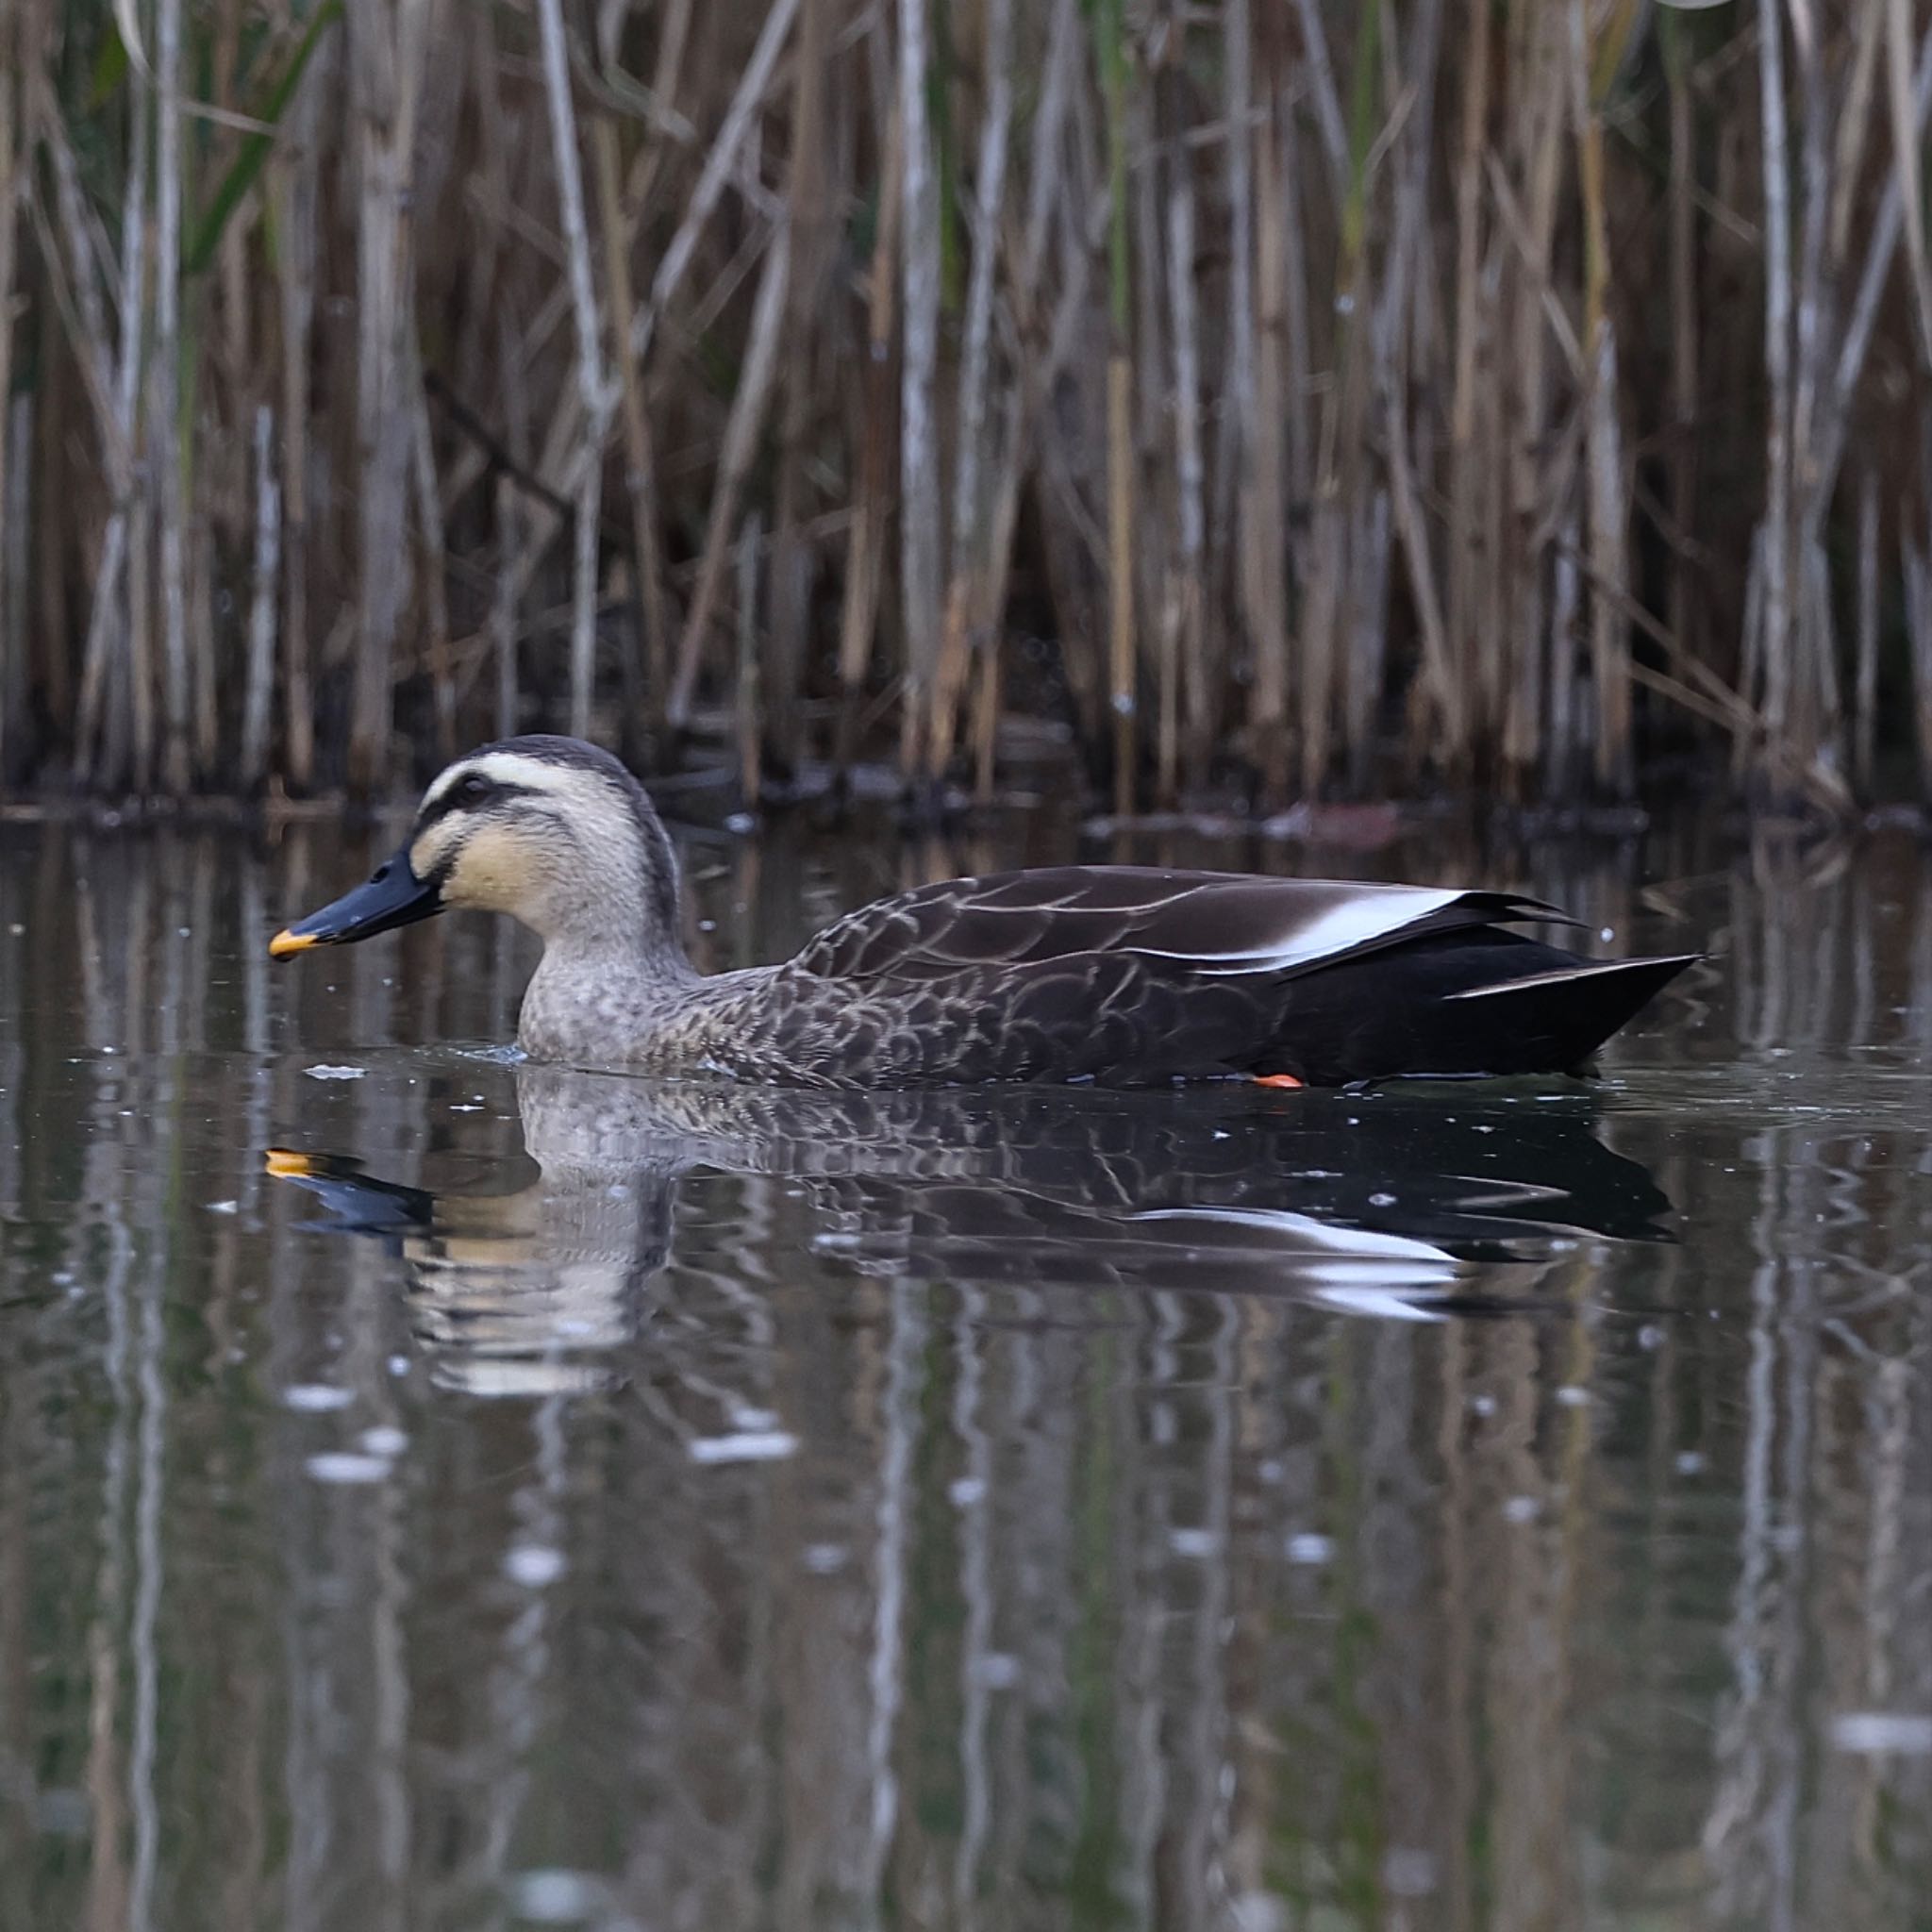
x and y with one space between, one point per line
1131 975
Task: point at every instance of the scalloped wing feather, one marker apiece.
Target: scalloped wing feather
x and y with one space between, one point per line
1210 925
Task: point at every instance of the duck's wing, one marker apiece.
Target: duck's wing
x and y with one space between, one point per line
1216 925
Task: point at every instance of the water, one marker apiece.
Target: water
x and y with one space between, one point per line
435 1493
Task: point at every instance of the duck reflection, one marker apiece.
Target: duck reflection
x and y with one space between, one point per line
1392 1204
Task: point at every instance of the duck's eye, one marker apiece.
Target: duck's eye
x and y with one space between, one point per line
474 788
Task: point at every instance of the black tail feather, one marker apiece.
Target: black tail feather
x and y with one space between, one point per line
1471 1005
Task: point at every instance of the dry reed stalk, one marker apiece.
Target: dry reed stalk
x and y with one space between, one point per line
1773 644
1394 320
386 50
1916 567
503 606
876 385
1865 726
1473 648
794 558
1683 316
1183 640
1909 161
749 708
1854 124
1609 643
78 295
922 564
593 393
1110 27
969 510
1881 244
641 467
1033 375
429 520
168 457
258 691
110 619
1233 449
1536 145
1264 525
12 646
16 508
720 163
232 257
296 200
742 432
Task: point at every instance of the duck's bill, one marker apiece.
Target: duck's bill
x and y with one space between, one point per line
392 896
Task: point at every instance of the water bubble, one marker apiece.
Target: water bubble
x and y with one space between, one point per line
998 1670
1875 1731
342 1466
533 1565
555 1896
749 1445
1408 1871
316 1398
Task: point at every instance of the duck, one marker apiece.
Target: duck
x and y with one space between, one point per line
1109 974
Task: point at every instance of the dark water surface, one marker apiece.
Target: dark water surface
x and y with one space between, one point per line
537 1498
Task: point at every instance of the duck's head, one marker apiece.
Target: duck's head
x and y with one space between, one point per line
551 830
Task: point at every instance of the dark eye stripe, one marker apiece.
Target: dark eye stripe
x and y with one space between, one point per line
471 793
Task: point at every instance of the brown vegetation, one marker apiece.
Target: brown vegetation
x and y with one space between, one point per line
1507 393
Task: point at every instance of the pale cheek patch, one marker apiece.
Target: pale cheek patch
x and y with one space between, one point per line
493 874
432 848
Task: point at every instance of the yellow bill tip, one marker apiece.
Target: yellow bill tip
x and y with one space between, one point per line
285 1164
286 944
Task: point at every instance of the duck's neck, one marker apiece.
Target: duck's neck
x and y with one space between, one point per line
595 992
612 959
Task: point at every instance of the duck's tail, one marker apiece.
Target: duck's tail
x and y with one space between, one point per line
1559 1018
1458 1006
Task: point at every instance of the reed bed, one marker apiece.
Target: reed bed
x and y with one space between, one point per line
1284 398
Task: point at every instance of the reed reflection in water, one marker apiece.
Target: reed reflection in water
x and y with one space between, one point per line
531 1495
